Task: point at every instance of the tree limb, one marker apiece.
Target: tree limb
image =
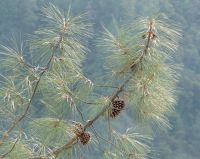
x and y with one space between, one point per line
19 119
73 140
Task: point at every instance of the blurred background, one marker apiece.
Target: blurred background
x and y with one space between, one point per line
180 142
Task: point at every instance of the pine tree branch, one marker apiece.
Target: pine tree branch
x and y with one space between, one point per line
72 141
15 123
149 33
133 63
31 99
115 94
19 119
80 113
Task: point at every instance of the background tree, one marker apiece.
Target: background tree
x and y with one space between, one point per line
140 75
14 17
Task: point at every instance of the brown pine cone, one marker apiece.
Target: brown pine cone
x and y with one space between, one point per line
84 138
114 113
118 106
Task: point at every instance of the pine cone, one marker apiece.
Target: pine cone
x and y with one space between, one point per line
84 138
118 106
114 113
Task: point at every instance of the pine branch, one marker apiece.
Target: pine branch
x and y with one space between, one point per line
73 140
130 69
139 59
115 94
18 120
77 48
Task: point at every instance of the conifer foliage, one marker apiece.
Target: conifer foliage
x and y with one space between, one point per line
51 82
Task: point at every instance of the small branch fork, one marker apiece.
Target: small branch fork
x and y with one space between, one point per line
73 140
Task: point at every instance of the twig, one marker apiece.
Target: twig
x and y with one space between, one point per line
80 113
12 148
145 51
115 94
86 102
104 86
